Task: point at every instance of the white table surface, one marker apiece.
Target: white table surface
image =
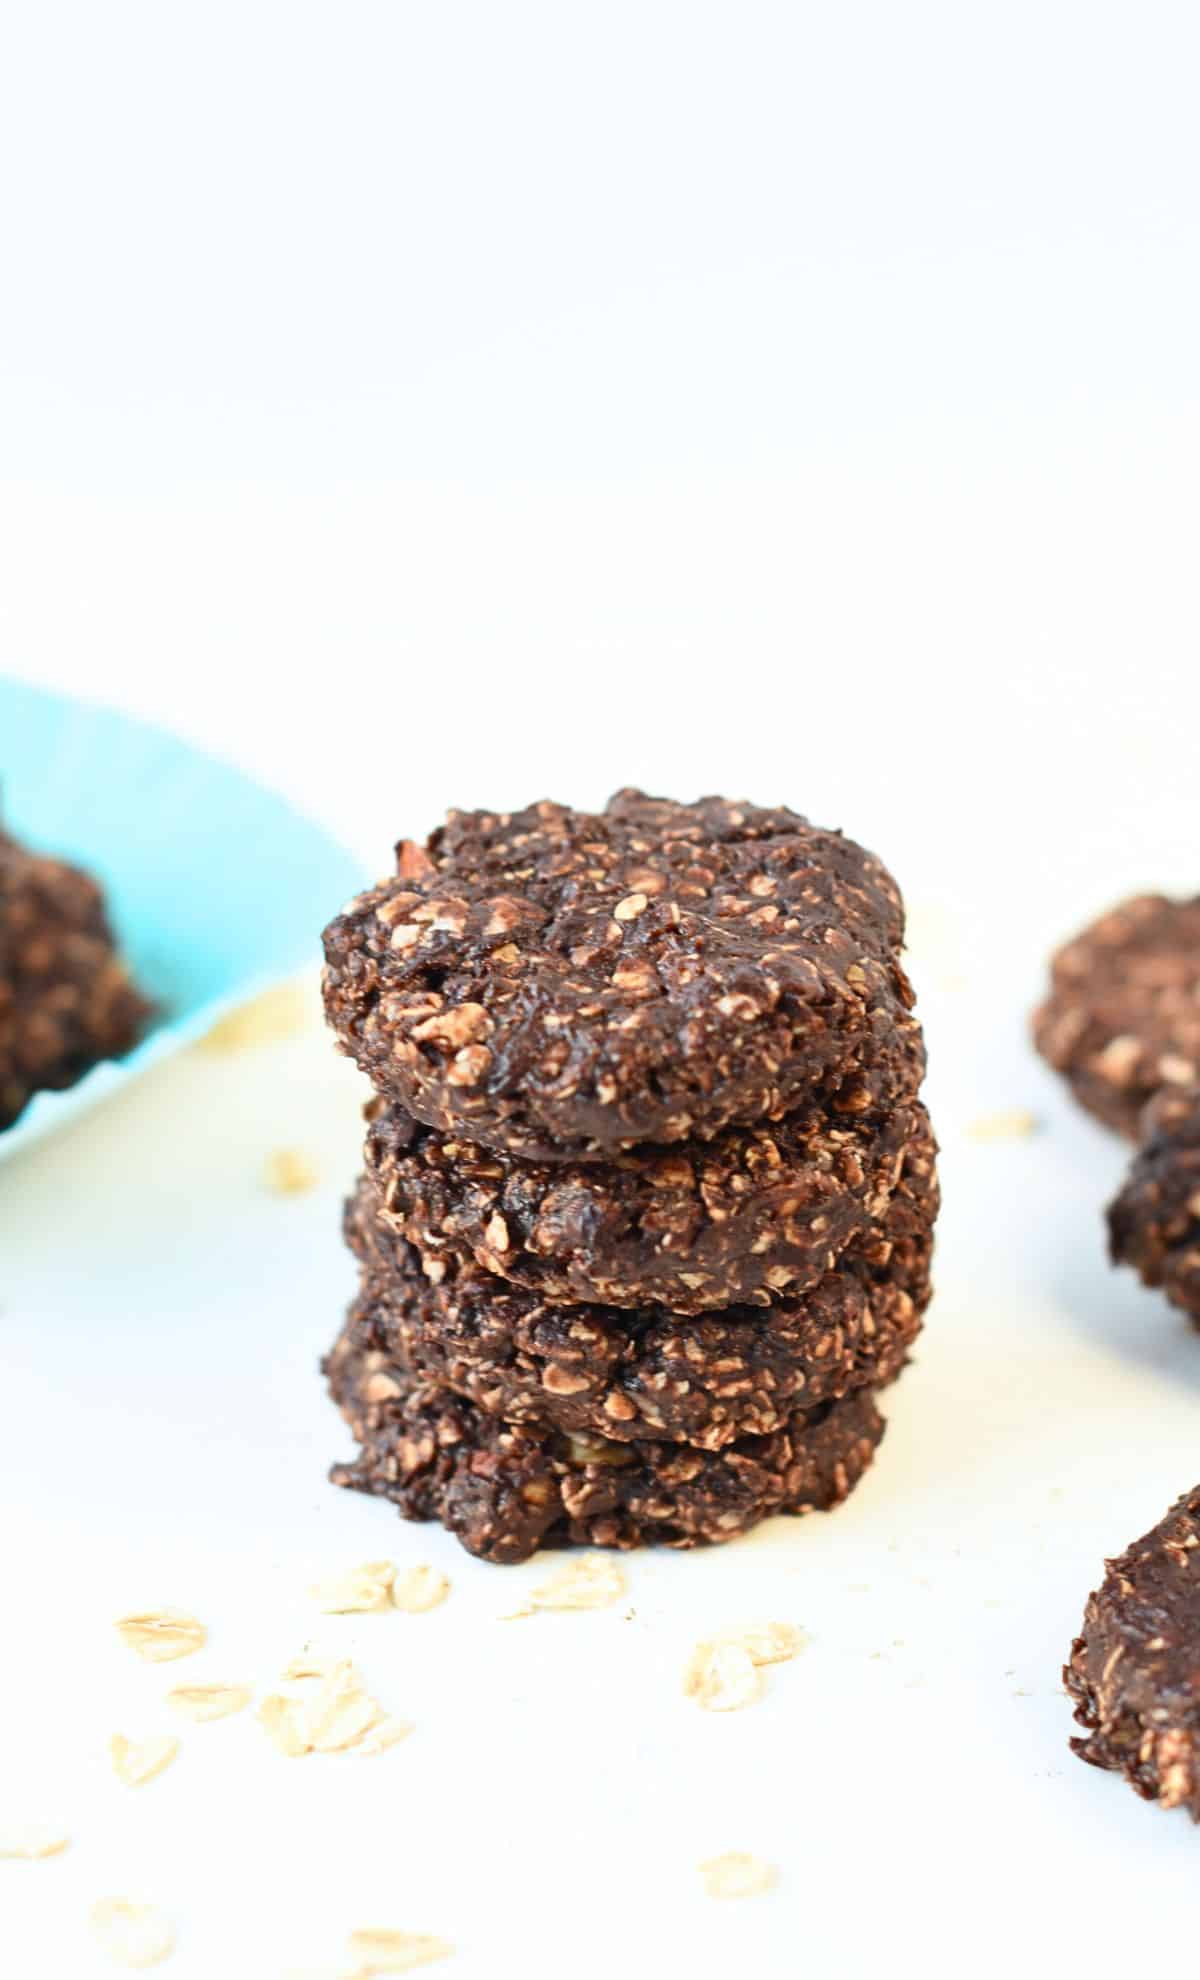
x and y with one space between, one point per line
456 405
164 1439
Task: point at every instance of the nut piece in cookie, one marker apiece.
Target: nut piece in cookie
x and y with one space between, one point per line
1154 1223
562 985
1123 1016
66 1001
1134 1673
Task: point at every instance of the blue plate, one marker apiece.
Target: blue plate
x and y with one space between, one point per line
217 889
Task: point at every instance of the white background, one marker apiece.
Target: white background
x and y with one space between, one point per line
460 404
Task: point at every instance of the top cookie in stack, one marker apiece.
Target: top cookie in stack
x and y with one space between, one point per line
557 984
656 1061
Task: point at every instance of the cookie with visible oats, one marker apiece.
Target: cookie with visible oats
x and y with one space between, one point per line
1154 1223
506 1489
562 985
754 1215
1123 1016
66 1000
1134 1673
624 1373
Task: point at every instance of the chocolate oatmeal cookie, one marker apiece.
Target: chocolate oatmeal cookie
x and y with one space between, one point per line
1154 1223
1134 1673
752 1215
505 1489
561 985
626 1375
1123 1016
66 1001
636 1372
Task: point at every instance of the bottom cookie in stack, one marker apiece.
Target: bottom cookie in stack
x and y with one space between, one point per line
506 1489
518 1422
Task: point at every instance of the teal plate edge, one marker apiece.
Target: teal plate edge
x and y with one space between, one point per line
217 887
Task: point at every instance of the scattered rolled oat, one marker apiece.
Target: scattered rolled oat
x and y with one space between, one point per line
32 1840
209 1701
161 1635
277 1717
388 1732
136 1761
766 1643
736 1875
324 1707
592 1581
289 1172
278 1014
721 1677
378 1950
421 1589
363 1591
132 1934
1010 1124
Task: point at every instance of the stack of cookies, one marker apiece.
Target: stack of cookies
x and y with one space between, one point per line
646 1213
